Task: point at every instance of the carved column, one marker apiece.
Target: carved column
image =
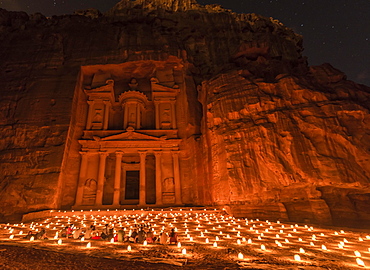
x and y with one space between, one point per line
82 178
89 115
158 177
117 178
106 114
142 185
176 175
157 123
173 115
138 123
100 187
125 116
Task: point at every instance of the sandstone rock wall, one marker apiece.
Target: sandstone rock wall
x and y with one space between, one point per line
297 143
269 136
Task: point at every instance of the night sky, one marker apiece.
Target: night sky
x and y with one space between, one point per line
334 31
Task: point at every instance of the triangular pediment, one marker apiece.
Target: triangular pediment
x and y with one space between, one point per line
131 135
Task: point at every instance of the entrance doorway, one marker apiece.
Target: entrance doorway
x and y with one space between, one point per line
132 185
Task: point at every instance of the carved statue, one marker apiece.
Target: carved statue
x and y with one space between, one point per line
133 84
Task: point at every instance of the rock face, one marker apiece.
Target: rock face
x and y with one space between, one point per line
262 133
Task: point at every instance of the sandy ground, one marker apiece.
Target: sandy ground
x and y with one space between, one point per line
280 241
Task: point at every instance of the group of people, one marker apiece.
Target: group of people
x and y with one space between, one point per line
138 235
40 235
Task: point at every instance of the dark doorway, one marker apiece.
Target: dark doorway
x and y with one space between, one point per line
132 185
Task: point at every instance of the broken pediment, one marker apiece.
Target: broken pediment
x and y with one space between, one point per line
157 87
131 135
104 92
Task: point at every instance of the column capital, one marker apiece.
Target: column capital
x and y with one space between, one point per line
91 102
107 102
82 153
142 153
158 153
175 152
119 153
103 153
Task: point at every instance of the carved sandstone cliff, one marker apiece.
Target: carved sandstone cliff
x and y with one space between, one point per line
270 137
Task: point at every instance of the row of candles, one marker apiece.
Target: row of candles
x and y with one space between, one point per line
205 225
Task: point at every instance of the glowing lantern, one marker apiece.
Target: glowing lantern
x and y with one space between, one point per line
360 239
249 241
179 245
238 242
217 239
128 248
207 241
300 239
183 251
21 232
82 239
323 247
312 244
112 241
59 241
215 244
360 262
263 247
286 240
240 256
11 237
32 238
301 250
297 257
357 253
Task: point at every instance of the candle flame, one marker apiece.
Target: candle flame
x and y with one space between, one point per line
357 253
360 262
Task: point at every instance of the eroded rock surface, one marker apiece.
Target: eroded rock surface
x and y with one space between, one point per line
265 134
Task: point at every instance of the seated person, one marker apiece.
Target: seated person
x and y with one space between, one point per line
41 235
173 237
133 237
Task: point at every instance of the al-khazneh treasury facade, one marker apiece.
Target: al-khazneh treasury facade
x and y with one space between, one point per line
125 129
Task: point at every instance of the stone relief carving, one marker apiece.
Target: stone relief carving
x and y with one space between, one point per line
89 192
